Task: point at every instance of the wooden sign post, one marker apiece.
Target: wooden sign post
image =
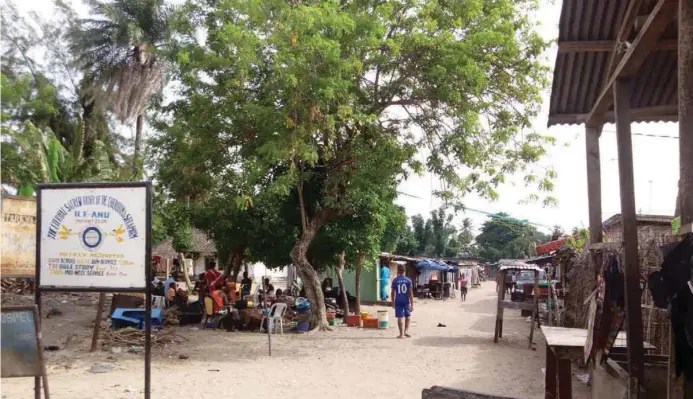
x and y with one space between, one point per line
22 352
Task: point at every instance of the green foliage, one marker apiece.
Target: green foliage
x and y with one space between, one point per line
557 233
48 133
466 239
117 49
31 156
578 243
434 237
504 238
316 83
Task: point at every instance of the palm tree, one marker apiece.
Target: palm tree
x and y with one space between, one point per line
117 49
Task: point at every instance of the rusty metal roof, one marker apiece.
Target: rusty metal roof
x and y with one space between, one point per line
579 74
644 219
201 243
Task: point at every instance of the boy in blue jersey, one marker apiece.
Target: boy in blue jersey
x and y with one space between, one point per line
402 300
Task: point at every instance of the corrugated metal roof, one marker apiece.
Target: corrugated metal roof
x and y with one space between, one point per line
579 76
652 219
201 243
519 266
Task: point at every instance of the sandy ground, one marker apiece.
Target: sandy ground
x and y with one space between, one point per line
345 363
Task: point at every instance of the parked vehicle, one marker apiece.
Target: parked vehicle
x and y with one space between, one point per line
525 283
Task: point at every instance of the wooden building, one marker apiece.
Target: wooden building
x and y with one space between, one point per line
625 61
202 251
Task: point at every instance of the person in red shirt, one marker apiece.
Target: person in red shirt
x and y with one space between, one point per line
213 278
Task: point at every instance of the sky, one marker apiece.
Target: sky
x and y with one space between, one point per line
656 165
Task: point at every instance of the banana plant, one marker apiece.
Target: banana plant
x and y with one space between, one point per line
31 156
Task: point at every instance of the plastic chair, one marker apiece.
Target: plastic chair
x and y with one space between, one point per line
276 314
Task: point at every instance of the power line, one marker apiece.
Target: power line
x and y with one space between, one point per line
657 136
492 214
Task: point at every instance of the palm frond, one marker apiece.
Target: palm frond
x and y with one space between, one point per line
118 49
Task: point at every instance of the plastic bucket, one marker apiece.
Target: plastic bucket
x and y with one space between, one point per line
383 318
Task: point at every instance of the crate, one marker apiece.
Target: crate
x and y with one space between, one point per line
354 320
370 322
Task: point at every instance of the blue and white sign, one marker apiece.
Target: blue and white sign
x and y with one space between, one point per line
93 237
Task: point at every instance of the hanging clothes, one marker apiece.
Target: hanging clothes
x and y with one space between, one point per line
384 282
672 286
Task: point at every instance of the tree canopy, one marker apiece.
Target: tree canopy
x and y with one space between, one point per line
341 94
505 238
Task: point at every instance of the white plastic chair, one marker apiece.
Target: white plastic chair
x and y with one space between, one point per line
276 314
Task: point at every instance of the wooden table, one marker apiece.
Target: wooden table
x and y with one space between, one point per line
562 346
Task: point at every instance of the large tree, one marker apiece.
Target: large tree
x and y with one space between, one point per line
43 128
116 48
503 237
348 90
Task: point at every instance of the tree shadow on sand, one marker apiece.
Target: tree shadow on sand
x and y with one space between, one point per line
445 342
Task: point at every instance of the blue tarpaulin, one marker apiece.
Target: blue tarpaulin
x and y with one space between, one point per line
428 264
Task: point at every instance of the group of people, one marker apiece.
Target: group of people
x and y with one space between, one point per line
212 283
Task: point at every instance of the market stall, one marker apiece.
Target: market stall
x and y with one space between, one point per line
433 277
516 266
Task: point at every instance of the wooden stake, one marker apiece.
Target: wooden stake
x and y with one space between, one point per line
97 321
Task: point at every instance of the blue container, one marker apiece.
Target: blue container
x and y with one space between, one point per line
134 317
302 326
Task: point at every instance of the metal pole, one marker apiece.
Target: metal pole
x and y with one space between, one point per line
37 280
148 298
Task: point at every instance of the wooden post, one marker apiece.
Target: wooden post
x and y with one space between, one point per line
678 387
499 310
97 322
594 182
535 308
565 383
594 193
622 93
685 89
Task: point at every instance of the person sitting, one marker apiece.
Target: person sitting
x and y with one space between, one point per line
267 287
221 299
171 295
181 296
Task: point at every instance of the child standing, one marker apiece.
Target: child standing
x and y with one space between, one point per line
463 287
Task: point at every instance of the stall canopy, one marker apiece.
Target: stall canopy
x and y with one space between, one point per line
428 264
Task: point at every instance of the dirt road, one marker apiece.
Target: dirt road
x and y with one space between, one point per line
345 363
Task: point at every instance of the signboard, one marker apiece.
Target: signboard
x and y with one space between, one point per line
18 237
94 236
21 353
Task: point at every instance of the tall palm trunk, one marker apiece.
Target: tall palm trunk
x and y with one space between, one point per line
138 145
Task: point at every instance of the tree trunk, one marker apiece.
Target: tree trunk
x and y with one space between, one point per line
311 282
359 268
184 271
340 279
233 265
138 144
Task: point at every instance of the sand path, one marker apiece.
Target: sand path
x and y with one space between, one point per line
345 363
